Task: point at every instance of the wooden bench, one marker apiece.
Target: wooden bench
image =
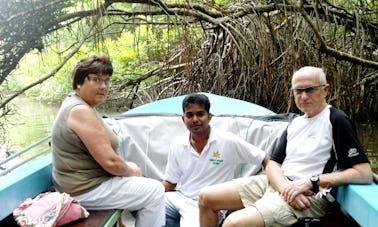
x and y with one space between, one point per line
105 218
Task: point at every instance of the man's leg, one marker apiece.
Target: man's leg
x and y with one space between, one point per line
213 199
189 214
249 216
172 215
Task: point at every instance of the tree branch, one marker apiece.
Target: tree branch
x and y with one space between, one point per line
331 51
56 69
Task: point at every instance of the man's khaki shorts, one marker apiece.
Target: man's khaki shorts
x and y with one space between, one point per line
256 191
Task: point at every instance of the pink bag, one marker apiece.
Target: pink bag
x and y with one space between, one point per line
49 209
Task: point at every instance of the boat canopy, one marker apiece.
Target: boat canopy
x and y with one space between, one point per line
220 105
147 131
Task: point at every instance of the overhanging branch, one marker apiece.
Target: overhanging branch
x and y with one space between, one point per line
331 51
56 69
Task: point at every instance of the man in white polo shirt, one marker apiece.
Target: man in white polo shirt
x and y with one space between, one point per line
203 156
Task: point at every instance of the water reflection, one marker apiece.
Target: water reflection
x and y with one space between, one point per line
368 135
36 118
31 123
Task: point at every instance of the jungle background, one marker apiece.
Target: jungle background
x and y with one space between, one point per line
241 49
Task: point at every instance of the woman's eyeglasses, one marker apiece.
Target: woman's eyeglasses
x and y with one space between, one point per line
98 80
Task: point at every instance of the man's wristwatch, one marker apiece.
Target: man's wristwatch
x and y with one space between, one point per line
315 186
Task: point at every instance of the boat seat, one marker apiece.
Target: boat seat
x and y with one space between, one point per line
105 218
36 178
96 218
335 217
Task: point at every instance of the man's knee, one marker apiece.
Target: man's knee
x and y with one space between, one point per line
245 217
204 199
231 221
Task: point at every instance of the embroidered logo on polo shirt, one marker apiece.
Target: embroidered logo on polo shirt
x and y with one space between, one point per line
352 152
216 159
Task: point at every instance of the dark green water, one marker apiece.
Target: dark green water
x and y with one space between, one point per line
31 123
35 119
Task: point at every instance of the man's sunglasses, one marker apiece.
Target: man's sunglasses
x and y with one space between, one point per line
310 89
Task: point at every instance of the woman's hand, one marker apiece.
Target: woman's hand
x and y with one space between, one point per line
133 169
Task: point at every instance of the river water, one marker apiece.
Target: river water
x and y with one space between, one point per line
34 120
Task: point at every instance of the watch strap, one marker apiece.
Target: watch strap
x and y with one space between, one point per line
315 186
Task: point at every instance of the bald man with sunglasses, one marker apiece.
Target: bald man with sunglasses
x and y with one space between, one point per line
318 151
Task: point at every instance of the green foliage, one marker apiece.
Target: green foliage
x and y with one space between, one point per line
22 28
234 48
128 53
223 2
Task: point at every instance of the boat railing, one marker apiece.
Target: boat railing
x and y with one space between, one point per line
26 160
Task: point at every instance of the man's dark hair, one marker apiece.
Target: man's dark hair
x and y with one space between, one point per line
196 98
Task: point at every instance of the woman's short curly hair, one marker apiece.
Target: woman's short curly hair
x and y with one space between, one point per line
91 65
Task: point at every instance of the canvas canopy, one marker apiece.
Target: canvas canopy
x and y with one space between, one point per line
220 105
147 131
145 139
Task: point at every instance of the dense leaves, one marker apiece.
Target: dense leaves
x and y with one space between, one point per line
243 49
23 26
